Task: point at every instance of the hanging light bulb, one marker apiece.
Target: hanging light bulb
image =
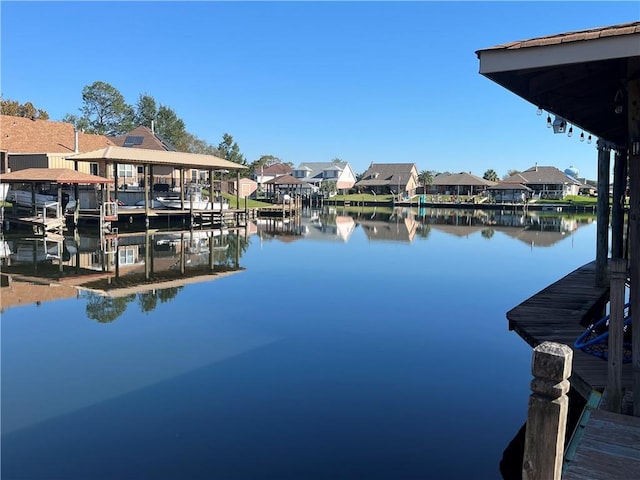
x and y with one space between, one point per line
582 136
539 111
570 132
549 124
589 139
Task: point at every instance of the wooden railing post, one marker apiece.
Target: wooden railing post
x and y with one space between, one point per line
618 276
547 415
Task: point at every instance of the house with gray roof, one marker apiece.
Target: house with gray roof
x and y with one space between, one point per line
317 173
545 182
462 183
396 178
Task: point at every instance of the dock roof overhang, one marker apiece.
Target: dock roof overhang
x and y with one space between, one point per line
53 175
134 156
579 76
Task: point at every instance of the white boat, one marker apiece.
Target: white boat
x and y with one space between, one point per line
193 198
23 198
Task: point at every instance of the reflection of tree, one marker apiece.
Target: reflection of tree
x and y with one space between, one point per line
487 233
166 294
424 230
148 301
238 245
107 309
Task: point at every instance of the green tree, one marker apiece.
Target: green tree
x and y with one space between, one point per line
105 110
490 175
172 129
510 173
146 111
328 187
80 123
426 178
26 110
229 150
263 162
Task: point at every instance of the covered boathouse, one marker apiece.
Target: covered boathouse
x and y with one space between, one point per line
589 80
151 162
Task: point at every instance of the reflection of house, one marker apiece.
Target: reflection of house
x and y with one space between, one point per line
545 182
317 173
458 184
397 229
395 178
16 292
27 143
327 227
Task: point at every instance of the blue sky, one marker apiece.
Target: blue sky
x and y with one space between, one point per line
308 81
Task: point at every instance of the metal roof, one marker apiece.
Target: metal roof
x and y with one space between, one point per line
53 175
156 157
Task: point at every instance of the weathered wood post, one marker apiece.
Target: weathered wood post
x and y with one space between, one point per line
602 212
547 415
618 275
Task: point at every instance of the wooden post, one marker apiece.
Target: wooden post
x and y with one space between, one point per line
547 415
602 229
617 206
633 101
618 275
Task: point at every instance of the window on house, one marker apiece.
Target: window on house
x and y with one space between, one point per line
93 169
125 171
126 257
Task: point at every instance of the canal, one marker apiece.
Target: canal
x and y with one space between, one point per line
363 343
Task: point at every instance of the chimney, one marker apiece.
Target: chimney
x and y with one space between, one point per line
153 130
75 140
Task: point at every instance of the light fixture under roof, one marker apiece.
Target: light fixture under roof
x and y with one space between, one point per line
559 125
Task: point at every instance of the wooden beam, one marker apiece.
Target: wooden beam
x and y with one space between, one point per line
602 231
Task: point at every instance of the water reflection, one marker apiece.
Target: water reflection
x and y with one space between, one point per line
116 270
113 270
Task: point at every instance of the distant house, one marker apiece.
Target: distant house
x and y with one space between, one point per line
396 178
26 143
546 182
317 173
504 192
268 173
458 184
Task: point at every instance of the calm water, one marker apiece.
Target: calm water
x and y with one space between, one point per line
355 344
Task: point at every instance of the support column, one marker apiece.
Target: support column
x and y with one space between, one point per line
633 102
617 206
602 233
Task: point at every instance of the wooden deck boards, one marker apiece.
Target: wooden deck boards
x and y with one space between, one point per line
609 449
555 314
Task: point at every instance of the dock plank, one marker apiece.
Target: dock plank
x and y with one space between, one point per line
608 450
559 313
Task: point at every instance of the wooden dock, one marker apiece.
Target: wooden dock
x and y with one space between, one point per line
605 446
609 448
560 313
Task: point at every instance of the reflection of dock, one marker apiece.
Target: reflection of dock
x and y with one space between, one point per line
116 264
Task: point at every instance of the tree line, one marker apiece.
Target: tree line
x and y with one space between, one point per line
104 111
